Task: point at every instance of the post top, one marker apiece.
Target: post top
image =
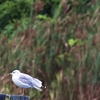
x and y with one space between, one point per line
13 97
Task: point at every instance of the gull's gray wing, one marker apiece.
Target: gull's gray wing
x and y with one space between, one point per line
33 82
37 82
26 79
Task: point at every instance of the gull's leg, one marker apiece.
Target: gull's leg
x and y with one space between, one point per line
23 91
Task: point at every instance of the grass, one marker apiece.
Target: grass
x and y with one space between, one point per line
65 49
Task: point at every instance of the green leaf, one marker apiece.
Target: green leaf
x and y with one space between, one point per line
71 42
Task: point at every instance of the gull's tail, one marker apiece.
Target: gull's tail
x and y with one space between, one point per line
40 88
38 85
43 87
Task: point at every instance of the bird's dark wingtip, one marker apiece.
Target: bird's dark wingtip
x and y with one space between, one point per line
43 86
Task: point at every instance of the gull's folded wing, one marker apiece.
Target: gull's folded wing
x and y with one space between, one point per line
33 82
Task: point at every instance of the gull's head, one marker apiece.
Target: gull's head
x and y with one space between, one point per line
15 72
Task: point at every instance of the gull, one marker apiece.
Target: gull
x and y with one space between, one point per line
26 81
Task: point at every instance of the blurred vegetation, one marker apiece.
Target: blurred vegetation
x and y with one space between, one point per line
57 41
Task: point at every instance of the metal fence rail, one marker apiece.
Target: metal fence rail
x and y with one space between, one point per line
13 97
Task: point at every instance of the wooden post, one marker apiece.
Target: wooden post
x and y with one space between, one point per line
13 97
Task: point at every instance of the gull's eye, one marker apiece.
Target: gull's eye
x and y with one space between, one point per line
13 72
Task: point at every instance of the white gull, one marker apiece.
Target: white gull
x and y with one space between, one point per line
26 81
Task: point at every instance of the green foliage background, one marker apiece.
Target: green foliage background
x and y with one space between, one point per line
62 37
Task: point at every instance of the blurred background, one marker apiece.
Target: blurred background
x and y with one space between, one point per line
56 41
